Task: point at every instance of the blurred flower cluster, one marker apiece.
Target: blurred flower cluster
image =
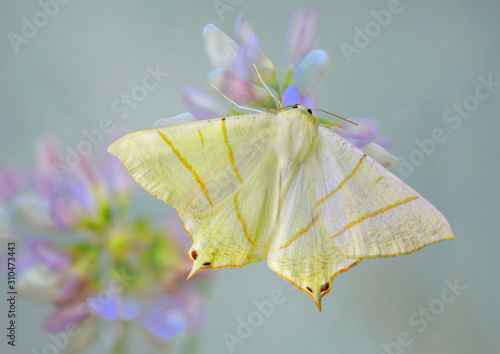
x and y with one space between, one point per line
107 274
305 69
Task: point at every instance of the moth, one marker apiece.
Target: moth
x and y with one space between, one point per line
281 187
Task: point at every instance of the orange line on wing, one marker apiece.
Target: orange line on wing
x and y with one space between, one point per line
303 232
240 218
219 267
341 184
202 268
375 213
230 150
378 180
188 166
409 252
201 138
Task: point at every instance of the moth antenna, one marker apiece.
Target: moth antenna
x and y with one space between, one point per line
237 105
347 120
279 109
267 88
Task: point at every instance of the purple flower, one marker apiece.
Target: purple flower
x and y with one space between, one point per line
109 244
235 75
71 200
237 89
11 183
48 157
292 96
67 316
163 318
114 175
249 54
59 200
114 307
72 289
47 252
307 69
301 36
42 268
201 105
367 137
51 169
243 31
71 305
365 132
111 173
311 72
193 309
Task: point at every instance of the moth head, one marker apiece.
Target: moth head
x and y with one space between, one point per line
302 108
297 113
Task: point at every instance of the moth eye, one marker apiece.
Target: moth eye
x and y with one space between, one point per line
310 111
295 106
194 255
325 287
309 289
206 263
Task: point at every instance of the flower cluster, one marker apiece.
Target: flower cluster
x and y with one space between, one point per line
305 70
101 268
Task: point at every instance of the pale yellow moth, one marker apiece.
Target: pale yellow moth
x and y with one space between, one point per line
283 188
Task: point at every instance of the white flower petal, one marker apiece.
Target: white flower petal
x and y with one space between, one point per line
40 282
381 155
182 118
311 72
221 49
35 210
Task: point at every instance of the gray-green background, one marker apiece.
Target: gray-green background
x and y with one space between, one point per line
428 58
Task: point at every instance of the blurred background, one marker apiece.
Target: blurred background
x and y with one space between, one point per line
417 74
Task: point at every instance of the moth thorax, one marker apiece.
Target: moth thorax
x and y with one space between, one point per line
295 135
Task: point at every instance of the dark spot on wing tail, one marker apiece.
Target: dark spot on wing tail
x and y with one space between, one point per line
193 255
